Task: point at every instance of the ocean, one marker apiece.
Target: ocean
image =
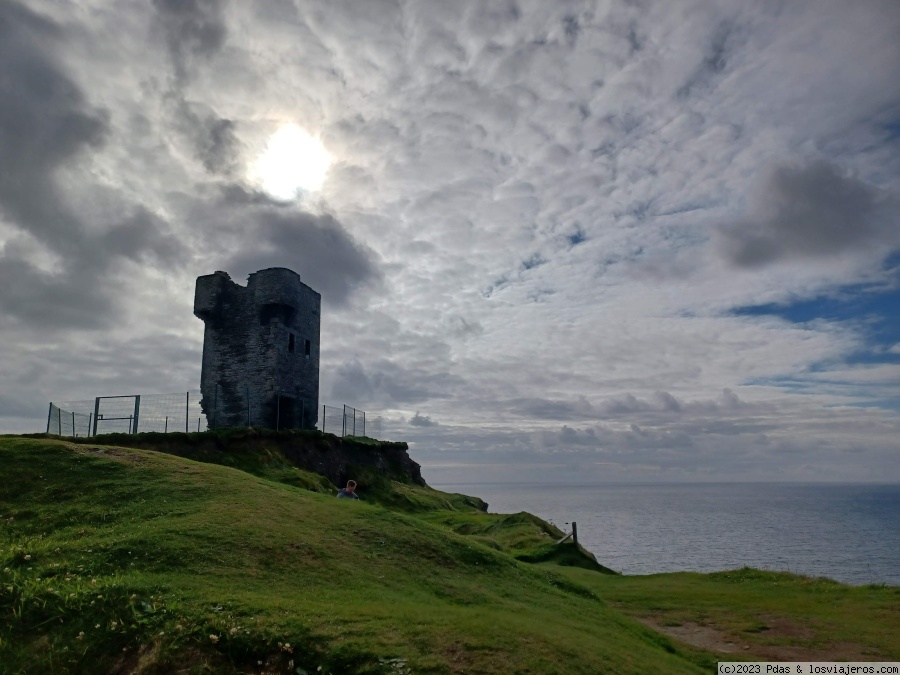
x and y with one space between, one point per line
850 533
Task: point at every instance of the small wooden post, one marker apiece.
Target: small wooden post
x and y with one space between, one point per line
575 533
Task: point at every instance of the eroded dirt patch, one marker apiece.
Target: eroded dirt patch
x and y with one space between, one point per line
713 639
696 635
110 451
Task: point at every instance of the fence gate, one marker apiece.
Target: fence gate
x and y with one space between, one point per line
119 412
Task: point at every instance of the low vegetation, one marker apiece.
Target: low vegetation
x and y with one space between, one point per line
125 560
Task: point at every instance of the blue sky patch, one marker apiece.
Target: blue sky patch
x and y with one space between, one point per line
872 310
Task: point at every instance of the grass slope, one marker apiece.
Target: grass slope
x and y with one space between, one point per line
762 614
125 560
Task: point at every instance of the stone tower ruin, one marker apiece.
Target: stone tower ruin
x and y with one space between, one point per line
260 350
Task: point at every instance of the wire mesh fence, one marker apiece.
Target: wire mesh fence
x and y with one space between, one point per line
128 414
68 422
332 421
165 413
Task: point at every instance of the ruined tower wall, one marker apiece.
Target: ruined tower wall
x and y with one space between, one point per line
260 350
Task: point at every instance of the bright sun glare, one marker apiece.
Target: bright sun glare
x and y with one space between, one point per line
293 161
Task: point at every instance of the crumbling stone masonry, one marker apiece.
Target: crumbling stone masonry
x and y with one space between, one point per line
260 350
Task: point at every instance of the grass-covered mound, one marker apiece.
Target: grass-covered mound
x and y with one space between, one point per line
117 560
126 560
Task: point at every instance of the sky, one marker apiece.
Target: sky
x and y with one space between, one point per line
563 242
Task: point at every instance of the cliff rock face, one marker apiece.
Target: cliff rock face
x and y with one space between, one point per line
338 458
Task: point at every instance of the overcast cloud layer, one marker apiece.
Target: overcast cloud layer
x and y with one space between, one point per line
567 241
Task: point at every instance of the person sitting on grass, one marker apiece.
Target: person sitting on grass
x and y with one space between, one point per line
348 492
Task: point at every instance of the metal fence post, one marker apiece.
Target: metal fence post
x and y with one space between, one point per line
49 414
187 413
137 411
96 414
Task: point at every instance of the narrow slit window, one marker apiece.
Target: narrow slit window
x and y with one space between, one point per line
291 343
306 348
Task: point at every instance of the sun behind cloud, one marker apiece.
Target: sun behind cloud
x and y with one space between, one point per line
293 162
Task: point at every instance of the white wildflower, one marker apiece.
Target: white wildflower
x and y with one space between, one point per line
213 638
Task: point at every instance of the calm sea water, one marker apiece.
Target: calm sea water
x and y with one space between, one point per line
850 533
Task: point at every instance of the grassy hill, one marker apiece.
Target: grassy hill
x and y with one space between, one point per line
116 560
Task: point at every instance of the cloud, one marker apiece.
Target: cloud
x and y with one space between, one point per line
660 405
588 163
46 126
318 247
192 29
387 384
806 211
724 40
418 420
213 140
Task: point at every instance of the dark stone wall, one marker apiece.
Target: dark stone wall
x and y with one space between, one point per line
260 350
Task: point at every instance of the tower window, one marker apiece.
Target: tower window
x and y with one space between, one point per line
306 348
291 343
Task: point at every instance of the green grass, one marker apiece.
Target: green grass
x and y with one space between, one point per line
771 613
131 560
